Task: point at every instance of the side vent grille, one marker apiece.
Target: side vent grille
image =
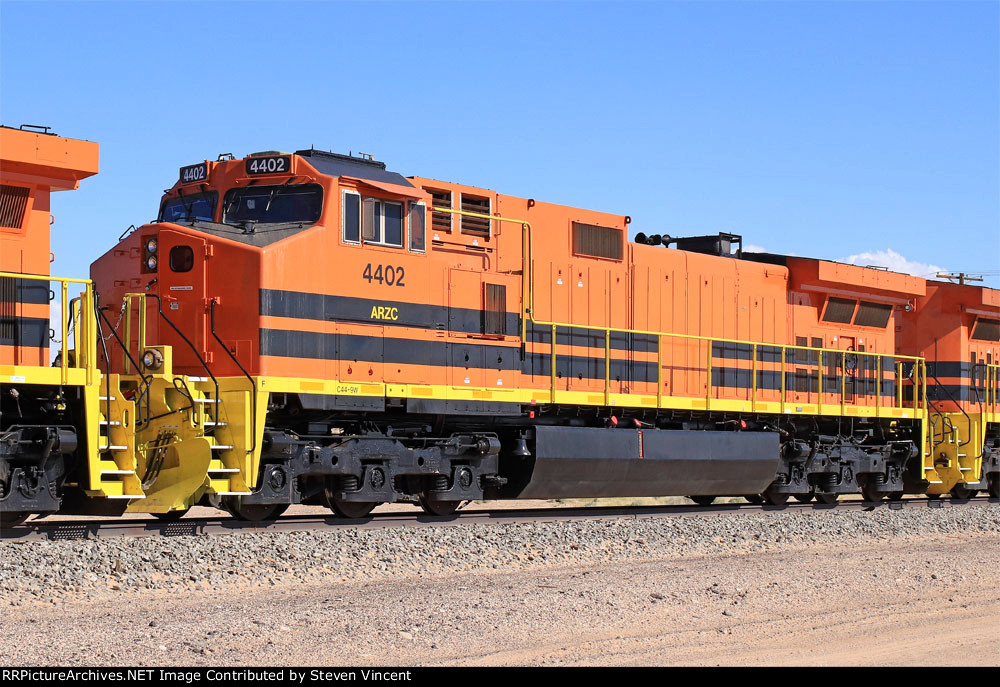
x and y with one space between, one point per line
873 315
986 330
8 297
475 225
839 310
440 221
495 312
597 242
13 201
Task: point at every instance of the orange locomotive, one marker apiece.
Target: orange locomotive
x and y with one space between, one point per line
956 327
369 338
49 422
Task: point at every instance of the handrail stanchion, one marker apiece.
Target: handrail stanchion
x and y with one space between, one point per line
607 367
819 382
843 379
659 371
753 379
708 376
63 325
783 380
878 384
552 371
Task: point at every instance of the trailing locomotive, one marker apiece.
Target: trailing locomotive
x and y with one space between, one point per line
49 418
310 327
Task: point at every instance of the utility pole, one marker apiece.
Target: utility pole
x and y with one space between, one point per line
962 277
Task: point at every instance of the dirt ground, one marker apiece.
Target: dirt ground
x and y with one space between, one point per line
918 601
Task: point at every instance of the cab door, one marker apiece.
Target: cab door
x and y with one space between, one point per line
182 280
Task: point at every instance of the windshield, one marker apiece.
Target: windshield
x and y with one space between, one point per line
190 207
271 204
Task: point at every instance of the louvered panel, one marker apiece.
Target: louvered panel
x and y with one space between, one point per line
13 201
475 225
597 242
440 221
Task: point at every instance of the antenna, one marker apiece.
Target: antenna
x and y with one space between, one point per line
962 277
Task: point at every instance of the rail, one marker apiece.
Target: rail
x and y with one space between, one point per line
72 318
910 369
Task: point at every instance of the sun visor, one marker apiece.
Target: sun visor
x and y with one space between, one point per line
394 189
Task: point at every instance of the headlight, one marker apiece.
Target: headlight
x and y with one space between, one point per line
151 245
151 262
152 359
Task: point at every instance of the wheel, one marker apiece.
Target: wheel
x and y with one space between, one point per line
13 519
755 499
351 509
253 512
171 515
345 509
827 499
438 507
962 492
774 498
993 485
804 498
870 493
703 500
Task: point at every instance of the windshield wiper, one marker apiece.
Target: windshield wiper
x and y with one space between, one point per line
238 196
275 191
187 205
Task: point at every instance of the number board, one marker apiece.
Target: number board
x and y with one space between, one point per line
193 173
269 165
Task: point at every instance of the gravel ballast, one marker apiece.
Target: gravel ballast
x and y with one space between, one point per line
56 572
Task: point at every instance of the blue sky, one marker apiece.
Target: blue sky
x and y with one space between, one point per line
823 129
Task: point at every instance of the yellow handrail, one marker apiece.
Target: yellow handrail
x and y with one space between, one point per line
527 302
84 357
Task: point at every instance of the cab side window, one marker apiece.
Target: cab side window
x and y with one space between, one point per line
382 222
418 215
351 216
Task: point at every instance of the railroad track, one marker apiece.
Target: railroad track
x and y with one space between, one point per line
194 526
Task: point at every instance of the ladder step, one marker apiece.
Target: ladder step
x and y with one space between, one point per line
113 447
934 481
111 423
212 423
106 398
225 470
222 447
965 469
117 472
206 400
233 493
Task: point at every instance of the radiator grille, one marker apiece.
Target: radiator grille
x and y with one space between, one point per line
873 314
13 201
839 310
475 225
440 221
986 330
597 242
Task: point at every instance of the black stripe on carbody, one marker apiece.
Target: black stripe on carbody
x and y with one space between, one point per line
15 290
327 308
30 332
